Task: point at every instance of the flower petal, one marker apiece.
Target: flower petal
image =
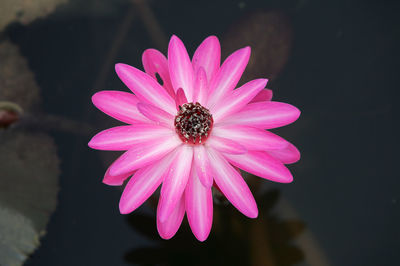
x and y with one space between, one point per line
208 57
180 98
143 184
263 96
169 227
145 87
180 67
228 75
175 182
115 180
232 184
154 62
156 114
201 164
238 99
289 154
119 105
199 207
143 154
200 93
225 145
261 164
251 138
264 115
124 137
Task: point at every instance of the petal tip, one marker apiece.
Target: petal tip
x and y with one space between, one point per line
123 209
110 183
253 213
165 235
92 144
201 237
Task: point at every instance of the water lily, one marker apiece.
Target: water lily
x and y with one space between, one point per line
189 131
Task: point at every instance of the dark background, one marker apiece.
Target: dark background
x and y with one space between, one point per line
341 72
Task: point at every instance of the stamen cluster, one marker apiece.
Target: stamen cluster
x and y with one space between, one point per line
193 123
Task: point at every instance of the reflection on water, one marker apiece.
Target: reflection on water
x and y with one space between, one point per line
234 239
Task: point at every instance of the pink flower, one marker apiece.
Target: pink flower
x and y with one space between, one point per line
191 133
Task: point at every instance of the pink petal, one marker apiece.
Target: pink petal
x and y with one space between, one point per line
180 67
155 62
199 207
232 184
208 57
180 98
175 181
156 114
124 137
261 164
169 227
238 99
263 96
145 87
115 180
225 145
264 115
201 164
250 138
119 105
200 87
228 75
143 154
143 184
289 154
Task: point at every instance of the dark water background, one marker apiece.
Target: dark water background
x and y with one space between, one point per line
342 72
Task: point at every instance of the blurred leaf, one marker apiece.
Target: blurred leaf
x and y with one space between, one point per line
269 34
29 165
28 191
25 11
17 83
19 239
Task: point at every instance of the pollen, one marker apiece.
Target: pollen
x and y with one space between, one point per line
193 123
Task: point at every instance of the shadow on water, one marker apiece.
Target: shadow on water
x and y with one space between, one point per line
234 239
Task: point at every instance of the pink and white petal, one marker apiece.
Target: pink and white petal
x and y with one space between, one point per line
119 105
143 154
175 182
225 145
154 62
201 164
228 75
238 99
263 96
199 207
143 184
261 164
155 114
264 115
180 67
208 57
124 137
145 87
200 87
289 154
232 184
180 98
251 138
115 180
169 227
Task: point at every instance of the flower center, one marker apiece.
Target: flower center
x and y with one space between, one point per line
193 123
